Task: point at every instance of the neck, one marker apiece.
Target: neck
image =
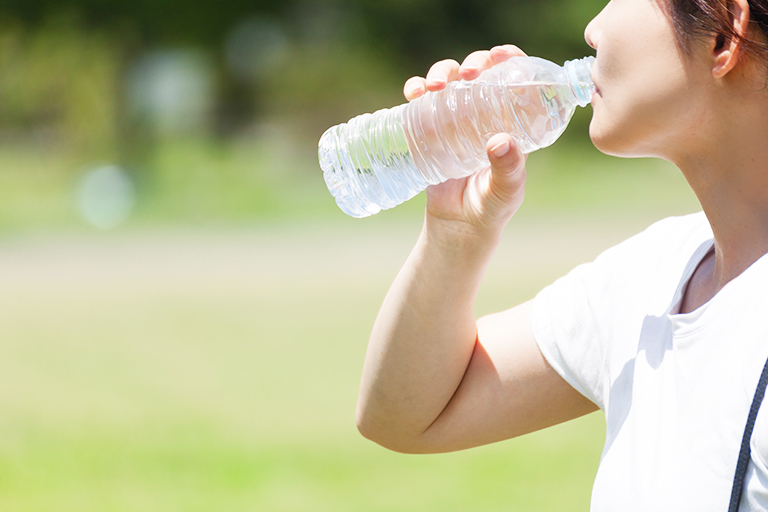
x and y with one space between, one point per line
729 175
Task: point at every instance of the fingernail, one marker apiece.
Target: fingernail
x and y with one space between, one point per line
415 90
500 149
437 80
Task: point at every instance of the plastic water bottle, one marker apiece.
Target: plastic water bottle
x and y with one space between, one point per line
377 161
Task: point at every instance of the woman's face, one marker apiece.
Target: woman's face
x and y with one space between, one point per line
645 100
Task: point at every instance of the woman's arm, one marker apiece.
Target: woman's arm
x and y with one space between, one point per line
434 379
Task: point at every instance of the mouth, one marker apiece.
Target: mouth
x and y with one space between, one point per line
596 93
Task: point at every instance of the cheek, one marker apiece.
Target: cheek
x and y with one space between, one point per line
605 129
641 81
641 118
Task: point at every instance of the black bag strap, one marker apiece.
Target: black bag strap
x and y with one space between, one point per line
744 453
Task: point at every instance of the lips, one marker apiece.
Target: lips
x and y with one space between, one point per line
594 72
595 94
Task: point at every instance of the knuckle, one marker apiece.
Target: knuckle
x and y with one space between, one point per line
414 80
477 59
515 50
504 52
477 55
443 66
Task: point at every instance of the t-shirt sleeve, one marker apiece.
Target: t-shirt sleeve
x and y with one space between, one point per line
581 320
568 333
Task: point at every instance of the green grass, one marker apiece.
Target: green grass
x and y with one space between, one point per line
206 356
218 370
268 178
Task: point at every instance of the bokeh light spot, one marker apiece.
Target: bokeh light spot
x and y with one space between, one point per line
106 197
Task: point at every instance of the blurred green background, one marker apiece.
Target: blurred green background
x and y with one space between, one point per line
184 310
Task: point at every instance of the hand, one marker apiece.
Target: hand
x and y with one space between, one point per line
485 201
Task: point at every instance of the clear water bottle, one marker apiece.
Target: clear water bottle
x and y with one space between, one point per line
377 161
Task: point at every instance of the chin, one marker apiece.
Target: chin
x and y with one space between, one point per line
610 143
602 141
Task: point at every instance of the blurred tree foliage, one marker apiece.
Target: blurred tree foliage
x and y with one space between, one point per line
65 63
59 76
418 31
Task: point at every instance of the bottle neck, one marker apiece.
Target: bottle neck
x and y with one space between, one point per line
579 73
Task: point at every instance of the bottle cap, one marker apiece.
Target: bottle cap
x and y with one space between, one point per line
579 73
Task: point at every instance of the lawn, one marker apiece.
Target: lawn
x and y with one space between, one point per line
217 370
187 365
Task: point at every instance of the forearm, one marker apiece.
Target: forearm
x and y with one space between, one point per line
424 335
428 383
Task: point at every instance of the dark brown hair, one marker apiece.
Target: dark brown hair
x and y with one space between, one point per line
694 19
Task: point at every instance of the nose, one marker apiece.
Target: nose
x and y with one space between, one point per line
592 32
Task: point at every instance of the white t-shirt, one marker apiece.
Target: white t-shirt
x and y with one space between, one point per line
675 388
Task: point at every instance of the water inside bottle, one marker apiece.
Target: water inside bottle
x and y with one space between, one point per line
533 113
377 161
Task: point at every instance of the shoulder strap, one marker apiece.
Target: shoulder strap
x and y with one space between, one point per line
744 453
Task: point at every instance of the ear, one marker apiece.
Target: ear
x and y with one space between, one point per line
725 48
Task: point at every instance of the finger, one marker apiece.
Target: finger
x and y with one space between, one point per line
441 73
500 54
477 62
474 64
507 166
414 87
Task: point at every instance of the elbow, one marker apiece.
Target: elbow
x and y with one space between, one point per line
371 433
392 443
371 429
364 425
388 436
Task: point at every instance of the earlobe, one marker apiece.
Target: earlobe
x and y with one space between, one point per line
725 57
726 47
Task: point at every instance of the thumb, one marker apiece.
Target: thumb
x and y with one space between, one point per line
507 166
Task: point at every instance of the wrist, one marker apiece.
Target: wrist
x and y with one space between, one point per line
456 239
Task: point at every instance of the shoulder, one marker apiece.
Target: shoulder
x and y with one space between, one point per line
661 251
580 319
681 228
664 238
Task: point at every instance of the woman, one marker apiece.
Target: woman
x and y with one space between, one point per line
667 332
